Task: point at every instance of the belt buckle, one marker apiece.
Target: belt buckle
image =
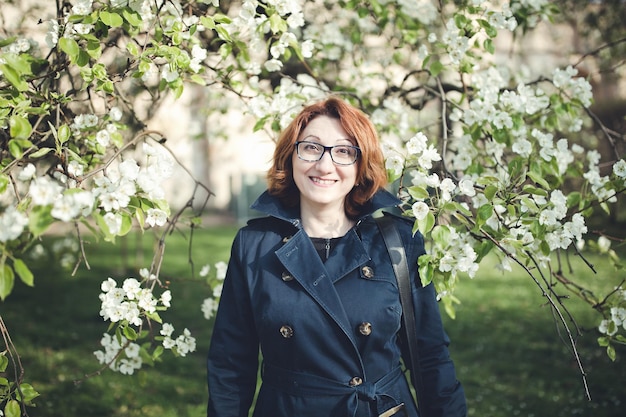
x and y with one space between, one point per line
394 410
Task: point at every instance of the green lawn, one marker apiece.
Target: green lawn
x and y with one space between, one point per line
504 341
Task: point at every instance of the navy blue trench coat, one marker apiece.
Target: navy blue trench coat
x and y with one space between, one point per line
328 331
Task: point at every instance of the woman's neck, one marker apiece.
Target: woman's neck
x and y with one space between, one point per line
326 224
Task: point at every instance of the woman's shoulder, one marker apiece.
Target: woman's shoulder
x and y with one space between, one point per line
267 225
406 228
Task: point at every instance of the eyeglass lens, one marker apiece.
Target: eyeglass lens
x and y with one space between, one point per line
340 154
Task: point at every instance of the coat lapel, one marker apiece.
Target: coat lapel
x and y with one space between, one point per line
300 258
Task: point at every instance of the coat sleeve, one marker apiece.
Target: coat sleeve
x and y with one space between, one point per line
442 393
233 353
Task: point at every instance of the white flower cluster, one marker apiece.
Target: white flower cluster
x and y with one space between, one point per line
423 10
209 305
256 27
67 204
288 100
597 181
182 345
69 28
131 302
119 354
459 255
578 87
619 169
115 189
494 102
12 223
611 325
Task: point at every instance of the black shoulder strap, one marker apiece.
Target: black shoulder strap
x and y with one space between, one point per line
393 241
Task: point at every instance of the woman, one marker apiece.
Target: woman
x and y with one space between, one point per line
313 286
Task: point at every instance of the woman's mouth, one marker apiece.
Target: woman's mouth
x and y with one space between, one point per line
320 181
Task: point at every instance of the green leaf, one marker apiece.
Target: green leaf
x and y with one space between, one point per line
489 46
418 193
426 224
111 19
132 17
12 409
104 228
485 212
449 307
28 393
483 249
490 192
441 233
127 224
573 199
69 46
132 48
4 182
64 133
38 154
4 362
20 127
154 317
40 219
23 272
7 280
538 179
610 351
129 333
436 68
426 269
277 23
14 77
15 149
534 190
7 41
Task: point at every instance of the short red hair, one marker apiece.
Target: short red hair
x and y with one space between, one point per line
371 174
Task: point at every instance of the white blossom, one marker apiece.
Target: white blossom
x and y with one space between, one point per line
209 307
420 210
619 169
204 271
113 222
27 173
466 187
44 191
220 270
12 224
156 217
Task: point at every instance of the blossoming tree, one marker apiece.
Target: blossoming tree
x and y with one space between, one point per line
488 159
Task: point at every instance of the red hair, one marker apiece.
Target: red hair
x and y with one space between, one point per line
371 174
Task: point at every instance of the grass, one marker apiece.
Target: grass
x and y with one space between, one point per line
504 341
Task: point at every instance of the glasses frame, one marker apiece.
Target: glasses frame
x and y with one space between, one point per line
329 150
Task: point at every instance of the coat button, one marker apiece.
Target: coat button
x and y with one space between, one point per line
368 272
287 239
365 328
355 381
286 331
286 276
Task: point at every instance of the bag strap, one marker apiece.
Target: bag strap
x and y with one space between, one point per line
396 251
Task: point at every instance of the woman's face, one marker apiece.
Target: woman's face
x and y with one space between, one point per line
324 184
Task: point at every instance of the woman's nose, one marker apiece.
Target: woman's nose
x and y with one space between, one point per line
326 161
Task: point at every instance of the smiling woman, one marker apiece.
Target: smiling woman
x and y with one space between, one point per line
312 285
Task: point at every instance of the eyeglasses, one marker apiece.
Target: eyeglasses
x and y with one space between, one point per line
340 154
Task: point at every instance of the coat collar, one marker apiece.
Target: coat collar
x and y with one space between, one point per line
268 204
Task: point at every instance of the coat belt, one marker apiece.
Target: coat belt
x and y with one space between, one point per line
303 384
